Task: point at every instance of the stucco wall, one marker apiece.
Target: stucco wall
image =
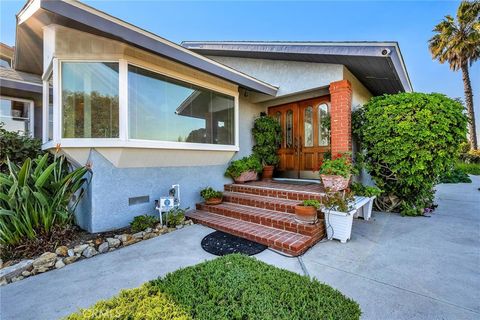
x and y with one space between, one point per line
290 76
360 94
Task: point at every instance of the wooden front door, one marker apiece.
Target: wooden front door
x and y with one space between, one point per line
305 138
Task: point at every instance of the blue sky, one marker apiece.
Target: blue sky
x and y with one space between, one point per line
408 22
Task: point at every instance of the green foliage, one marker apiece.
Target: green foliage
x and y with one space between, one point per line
267 133
145 303
140 223
469 168
37 196
339 166
237 167
454 175
409 140
471 156
17 148
230 287
175 217
339 201
366 191
312 203
210 193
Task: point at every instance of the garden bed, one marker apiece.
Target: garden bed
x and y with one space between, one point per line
231 287
66 246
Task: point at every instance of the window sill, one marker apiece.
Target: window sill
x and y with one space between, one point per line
140 144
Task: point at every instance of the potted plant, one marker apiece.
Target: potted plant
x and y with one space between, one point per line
267 134
335 173
211 196
370 192
307 211
339 209
245 169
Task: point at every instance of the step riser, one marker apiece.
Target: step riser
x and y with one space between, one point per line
306 229
277 244
266 192
263 204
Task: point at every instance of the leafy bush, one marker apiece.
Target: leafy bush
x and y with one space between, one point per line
472 156
267 133
237 167
17 148
339 166
140 223
365 191
175 217
339 201
37 196
229 287
312 203
469 168
409 140
454 175
209 193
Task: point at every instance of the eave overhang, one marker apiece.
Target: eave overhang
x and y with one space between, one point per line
73 14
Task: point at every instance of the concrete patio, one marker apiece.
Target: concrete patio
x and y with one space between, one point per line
395 267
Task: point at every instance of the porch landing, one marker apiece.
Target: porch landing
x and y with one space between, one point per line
263 212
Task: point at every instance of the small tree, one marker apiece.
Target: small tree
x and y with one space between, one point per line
268 137
409 139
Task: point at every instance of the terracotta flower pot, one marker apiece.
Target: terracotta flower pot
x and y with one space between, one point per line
214 201
335 183
246 176
267 172
306 214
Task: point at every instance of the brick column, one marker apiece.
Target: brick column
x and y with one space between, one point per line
341 117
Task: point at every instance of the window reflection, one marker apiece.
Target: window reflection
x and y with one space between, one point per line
289 129
161 108
308 126
15 115
323 125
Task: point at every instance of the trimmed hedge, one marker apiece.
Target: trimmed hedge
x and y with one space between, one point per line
230 287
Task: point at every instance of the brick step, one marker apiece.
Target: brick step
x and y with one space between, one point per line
264 217
288 242
270 203
279 190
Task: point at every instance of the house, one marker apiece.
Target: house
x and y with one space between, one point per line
146 113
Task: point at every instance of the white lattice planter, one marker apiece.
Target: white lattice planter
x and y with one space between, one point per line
339 224
365 211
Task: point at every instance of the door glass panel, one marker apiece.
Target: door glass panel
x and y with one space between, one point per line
308 127
278 117
323 125
289 129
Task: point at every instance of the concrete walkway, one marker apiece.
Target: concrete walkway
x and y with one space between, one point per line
395 267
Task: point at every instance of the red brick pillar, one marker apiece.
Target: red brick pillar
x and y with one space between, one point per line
341 116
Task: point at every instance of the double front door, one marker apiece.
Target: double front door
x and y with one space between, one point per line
305 137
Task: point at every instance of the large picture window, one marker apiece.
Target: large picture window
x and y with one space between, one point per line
90 100
164 109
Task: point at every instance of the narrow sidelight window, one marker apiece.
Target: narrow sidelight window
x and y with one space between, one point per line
90 100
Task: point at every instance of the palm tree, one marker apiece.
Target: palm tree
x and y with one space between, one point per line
458 43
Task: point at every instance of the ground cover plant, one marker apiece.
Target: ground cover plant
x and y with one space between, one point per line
230 287
140 223
469 168
409 140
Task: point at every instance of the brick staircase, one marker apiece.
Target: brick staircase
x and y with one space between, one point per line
263 212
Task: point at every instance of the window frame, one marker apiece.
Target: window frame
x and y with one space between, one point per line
124 140
31 112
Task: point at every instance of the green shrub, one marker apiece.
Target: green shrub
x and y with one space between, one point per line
230 287
454 175
312 203
469 168
175 217
365 191
140 223
409 140
341 165
209 193
471 156
17 148
267 134
237 167
145 303
37 196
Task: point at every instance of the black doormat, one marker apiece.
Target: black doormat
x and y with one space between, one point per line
221 243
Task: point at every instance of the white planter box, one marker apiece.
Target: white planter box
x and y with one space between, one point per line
339 224
365 211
